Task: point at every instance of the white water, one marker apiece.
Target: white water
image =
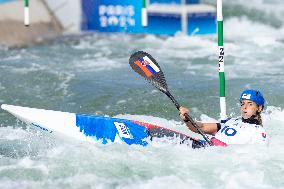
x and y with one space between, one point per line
91 75
35 160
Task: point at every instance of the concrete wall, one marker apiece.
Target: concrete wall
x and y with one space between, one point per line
68 12
13 33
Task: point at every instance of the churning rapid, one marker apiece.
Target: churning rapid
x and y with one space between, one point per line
90 74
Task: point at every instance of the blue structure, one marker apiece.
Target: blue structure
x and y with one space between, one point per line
165 17
6 1
174 1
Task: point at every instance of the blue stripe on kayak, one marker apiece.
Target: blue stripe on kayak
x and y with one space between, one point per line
103 128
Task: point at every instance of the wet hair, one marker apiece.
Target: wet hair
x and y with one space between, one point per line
259 118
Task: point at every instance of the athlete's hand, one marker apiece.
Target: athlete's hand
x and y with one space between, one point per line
182 111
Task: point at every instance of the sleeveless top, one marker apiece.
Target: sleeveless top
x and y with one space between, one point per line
234 131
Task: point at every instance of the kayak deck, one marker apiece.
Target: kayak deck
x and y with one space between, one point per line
96 128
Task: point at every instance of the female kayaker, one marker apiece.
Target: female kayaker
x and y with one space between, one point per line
247 129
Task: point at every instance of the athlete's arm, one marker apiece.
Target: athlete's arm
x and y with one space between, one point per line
208 128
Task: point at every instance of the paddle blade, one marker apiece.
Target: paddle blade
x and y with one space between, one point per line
146 66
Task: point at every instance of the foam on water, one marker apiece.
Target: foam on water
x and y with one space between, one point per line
25 70
100 64
258 33
272 9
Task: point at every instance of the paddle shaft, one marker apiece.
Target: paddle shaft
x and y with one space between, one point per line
188 118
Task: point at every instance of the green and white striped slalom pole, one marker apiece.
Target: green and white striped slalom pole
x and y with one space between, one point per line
144 14
27 14
223 114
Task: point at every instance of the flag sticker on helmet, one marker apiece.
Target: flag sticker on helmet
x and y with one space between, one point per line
147 66
246 96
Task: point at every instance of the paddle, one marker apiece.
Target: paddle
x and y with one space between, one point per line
146 66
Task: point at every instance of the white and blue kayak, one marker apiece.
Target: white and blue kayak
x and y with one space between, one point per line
94 128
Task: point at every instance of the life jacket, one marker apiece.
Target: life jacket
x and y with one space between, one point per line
235 131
